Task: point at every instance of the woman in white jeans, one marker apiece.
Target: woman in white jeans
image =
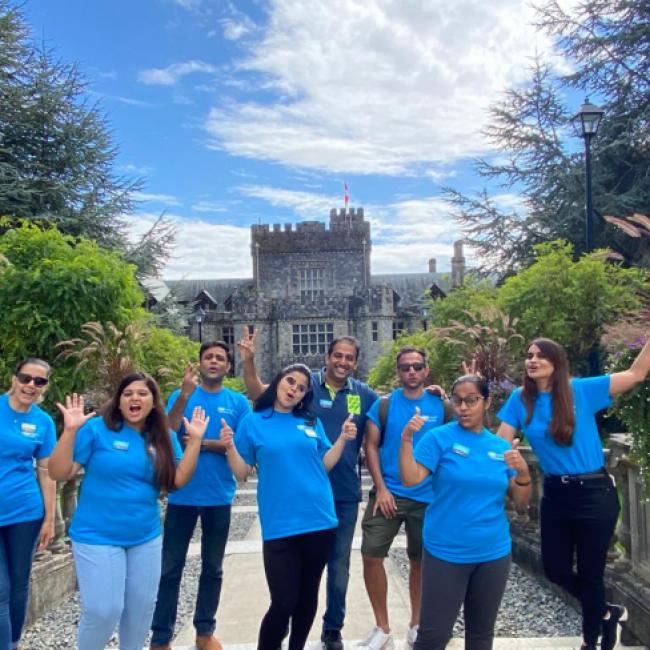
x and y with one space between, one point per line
129 457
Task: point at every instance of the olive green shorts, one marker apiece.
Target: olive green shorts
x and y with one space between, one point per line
379 532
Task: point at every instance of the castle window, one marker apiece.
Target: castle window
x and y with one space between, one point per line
398 328
312 284
228 336
312 338
375 330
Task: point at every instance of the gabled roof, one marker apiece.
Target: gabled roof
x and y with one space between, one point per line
187 291
410 287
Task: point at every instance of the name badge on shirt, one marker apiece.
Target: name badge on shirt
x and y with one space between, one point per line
120 445
354 405
28 430
461 450
326 403
493 455
309 432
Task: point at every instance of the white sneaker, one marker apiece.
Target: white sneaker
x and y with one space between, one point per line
377 639
411 635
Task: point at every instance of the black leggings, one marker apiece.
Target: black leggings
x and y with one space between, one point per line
293 566
446 586
578 518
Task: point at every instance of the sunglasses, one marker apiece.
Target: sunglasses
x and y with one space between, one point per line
470 400
25 378
417 366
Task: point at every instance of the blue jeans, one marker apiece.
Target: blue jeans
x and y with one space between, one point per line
180 522
17 544
338 565
116 584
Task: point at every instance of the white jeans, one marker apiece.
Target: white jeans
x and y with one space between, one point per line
116 584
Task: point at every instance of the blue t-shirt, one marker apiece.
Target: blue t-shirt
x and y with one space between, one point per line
466 520
400 411
356 398
293 493
118 503
590 395
213 483
24 438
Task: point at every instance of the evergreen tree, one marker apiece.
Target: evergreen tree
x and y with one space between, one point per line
608 42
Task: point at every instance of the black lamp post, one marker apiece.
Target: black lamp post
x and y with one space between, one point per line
587 121
199 316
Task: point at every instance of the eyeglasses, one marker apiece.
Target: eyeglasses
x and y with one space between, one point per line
470 400
25 378
293 383
417 366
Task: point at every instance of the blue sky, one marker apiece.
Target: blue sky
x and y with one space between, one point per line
239 112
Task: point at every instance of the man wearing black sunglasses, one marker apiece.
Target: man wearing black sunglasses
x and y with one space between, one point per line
390 503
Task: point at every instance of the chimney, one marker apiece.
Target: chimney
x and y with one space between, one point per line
432 265
457 265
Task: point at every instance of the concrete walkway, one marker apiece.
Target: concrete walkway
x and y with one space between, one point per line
245 599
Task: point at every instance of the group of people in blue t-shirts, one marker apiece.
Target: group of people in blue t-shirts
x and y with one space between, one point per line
135 450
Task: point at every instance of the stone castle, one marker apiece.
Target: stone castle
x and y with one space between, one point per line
310 284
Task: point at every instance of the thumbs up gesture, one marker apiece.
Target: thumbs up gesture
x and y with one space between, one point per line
414 424
226 435
349 428
514 460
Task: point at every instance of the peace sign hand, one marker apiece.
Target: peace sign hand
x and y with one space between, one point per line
246 346
227 435
190 381
73 412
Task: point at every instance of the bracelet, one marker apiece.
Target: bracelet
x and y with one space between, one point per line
407 439
522 484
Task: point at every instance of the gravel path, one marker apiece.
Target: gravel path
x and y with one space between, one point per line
57 630
528 609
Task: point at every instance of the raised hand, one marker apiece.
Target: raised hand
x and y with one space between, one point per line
246 346
190 380
227 435
195 428
349 428
73 412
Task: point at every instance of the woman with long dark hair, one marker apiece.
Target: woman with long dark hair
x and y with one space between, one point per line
27 500
292 453
466 534
580 505
129 456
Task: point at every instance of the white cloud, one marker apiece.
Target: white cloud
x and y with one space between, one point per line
305 204
233 30
129 101
210 206
173 73
203 249
377 86
188 4
168 199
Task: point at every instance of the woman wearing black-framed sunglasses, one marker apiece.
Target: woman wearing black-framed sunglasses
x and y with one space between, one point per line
27 500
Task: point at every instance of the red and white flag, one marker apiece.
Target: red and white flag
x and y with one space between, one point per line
346 193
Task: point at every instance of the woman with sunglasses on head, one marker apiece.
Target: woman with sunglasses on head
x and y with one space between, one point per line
466 534
580 506
129 456
27 498
292 453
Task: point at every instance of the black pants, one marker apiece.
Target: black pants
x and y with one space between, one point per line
445 587
293 566
579 518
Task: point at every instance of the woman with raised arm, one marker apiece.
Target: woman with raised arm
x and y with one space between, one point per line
27 499
580 505
292 453
129 456
466 534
